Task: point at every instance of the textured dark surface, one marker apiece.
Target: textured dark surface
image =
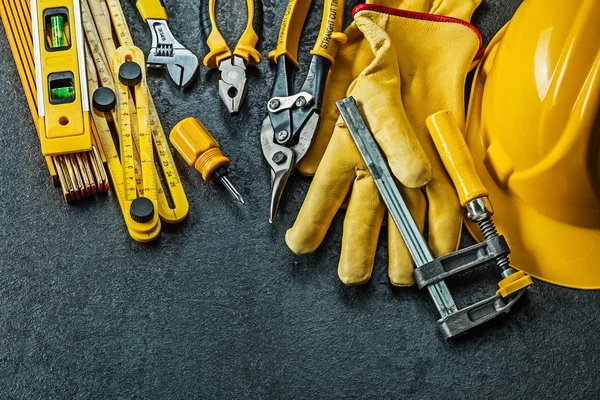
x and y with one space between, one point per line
219 307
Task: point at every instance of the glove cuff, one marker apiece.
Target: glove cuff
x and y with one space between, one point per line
421 16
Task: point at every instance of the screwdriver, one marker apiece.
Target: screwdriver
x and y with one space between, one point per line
201 151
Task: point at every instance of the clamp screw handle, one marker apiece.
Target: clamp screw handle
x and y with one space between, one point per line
458 161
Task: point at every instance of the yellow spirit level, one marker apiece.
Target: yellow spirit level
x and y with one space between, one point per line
63 103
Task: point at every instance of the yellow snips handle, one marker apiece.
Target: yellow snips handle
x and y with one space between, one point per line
246 47
330 35
152 9
290 31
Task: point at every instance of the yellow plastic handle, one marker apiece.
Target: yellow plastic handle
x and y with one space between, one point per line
456 157
330 35
152 9
198 148
219 50
290 31
246 47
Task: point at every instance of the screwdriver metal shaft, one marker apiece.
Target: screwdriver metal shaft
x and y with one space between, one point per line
229 186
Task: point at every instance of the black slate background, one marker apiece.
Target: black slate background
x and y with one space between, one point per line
219 307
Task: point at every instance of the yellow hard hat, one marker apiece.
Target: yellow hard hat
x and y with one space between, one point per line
534 131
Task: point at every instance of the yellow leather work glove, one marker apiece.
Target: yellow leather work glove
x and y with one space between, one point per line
420 56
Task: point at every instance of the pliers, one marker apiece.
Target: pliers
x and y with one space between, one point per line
233 85
293 118
167 53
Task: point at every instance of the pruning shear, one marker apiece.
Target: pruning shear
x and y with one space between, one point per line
233 85
167 53
293 118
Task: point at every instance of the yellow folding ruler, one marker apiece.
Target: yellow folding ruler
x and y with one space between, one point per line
141 137
80 173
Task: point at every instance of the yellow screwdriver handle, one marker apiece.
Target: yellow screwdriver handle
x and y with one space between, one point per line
198 148
290 31
246 47
456 156
330 35
152 9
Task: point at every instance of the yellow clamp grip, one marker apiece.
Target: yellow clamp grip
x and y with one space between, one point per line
152 9
330 35
290 31
514 283
456 156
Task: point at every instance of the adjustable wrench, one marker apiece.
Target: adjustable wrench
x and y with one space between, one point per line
167 53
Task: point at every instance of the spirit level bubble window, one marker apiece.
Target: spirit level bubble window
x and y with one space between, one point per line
62 88
56 29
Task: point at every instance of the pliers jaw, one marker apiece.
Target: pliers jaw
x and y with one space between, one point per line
233 85
167 53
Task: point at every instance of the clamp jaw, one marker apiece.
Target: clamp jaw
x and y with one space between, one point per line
511 288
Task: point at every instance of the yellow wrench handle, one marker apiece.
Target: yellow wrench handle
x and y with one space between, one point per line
330 35
290 31
152 9
456 156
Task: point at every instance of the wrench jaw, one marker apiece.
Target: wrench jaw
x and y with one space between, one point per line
168 54
233 85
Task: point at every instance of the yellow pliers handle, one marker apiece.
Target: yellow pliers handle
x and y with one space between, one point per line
330 35
152 9
219 50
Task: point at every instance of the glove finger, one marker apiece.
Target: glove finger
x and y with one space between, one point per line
445 215
362 225
401 265
377 91
352 57
327 192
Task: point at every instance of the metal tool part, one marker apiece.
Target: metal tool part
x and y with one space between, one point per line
429 272
392 197
233 85
293 117
167 53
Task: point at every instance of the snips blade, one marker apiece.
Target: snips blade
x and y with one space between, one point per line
282 161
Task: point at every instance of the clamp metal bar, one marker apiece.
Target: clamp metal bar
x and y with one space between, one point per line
392 197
